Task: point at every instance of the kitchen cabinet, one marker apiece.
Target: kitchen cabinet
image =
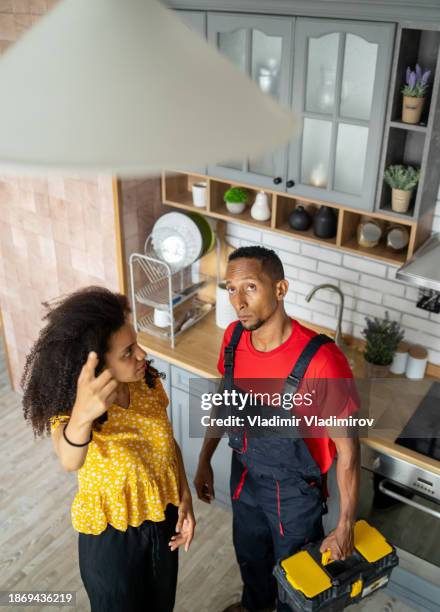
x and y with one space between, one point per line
333 73
340 88
190 446
261 47
163 366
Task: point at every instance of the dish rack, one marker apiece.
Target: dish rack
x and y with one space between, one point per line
157 284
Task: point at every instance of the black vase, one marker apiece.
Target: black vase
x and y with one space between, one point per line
300 219
325 223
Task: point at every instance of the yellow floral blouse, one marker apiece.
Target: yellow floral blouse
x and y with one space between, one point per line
130 473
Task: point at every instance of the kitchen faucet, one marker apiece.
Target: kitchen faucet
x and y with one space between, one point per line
338 335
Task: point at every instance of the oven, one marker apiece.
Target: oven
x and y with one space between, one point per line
403 502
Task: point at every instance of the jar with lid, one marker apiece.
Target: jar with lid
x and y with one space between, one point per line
400 358
416 364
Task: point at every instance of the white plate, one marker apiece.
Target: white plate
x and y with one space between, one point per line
177 239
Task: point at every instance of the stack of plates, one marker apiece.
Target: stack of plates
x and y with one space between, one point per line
180 239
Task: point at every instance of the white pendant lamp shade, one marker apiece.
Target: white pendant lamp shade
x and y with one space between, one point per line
124 87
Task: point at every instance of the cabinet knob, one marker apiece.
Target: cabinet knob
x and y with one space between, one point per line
277 180
290 183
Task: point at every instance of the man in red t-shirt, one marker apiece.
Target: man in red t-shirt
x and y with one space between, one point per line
268 348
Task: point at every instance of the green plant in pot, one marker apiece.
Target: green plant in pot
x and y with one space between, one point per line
402 180
236 199
381 339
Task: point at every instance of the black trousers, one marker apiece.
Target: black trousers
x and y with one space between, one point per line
133 570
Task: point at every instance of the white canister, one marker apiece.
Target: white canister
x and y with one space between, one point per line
224 311
199 194
400 358
417 360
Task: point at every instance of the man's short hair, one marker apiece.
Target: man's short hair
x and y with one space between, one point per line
270 262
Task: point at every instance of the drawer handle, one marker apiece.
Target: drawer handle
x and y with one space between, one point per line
405 500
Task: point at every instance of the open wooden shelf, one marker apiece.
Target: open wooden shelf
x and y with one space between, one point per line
285 206
177 185
177 190
348 239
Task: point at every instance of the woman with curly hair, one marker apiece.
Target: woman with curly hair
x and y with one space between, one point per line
87 382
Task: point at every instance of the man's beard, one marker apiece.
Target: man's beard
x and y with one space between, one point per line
256 325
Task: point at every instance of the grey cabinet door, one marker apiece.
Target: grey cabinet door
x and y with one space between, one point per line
340 88
261 47
190 447
196 21
164 366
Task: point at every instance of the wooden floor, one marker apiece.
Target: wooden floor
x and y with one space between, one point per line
38 545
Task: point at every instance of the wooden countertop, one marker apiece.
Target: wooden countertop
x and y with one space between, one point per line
197 351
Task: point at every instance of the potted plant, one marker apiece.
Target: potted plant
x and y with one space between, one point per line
382 337
414 91
402 180
236 199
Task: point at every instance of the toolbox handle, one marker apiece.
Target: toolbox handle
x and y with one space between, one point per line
326 557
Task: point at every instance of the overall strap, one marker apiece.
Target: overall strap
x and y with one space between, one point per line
300 367
229 355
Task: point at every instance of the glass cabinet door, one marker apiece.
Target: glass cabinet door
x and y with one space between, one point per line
339 92
261 48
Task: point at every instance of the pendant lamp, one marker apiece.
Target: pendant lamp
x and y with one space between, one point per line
124 87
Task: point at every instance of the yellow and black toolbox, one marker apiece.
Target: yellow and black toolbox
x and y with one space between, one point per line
310 581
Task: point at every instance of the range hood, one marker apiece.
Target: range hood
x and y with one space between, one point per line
423 269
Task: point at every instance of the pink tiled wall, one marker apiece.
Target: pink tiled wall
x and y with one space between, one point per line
57 234
141 206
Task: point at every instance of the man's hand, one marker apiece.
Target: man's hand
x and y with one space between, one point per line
204 481
340 542
185 526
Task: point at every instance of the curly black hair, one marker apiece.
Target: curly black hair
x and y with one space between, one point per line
78 323
270 262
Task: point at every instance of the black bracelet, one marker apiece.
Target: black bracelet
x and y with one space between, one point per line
73 443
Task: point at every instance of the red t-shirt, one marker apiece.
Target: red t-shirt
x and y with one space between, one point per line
328 362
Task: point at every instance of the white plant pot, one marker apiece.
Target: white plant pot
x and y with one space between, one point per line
199 191
260 210
236 208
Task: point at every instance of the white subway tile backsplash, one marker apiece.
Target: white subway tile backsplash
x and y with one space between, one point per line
301 287
295 311
320 253
276 242
418 337
290 272
374 310
297 261
365 265
338 273
316 279
361 293
385 286
430 327
241 231
316 305
404 306
412 293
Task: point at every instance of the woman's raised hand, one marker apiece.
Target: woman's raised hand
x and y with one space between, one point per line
94 394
